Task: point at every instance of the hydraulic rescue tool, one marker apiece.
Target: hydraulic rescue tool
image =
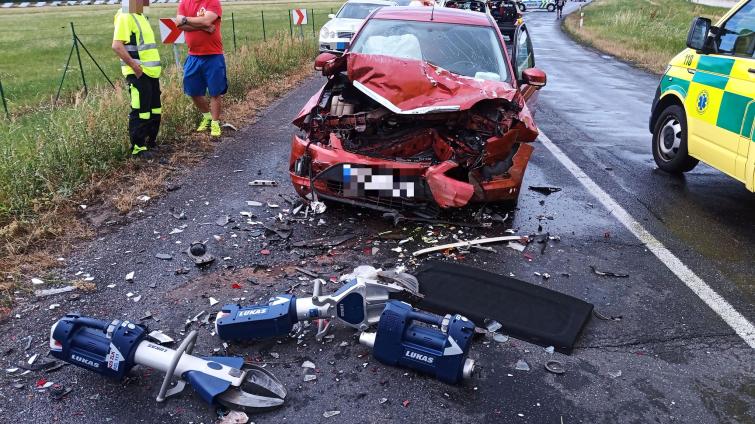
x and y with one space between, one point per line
401 341
112 348
358 304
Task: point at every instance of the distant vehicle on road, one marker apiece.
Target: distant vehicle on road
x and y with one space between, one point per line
424 111
548 5
507 15
704 107
472 5
336 34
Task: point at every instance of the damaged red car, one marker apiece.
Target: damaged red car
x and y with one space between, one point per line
424 111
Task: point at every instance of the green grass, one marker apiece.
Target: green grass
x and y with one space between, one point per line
35 43
645 32
50 153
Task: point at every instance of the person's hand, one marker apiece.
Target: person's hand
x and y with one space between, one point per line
137 69
210 29
178 19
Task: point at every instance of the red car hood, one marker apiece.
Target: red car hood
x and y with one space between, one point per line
421 87
408 86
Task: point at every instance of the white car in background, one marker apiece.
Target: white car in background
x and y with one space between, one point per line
336 34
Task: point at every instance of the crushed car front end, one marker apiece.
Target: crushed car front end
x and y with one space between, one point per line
396 133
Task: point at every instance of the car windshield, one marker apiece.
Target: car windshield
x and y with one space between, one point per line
357 10
472 51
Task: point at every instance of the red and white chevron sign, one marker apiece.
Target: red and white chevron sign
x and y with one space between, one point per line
169 32
299 16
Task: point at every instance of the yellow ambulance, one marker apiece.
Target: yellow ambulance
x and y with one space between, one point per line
705 104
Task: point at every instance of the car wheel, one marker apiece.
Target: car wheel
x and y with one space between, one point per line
551 7
670 141
522 7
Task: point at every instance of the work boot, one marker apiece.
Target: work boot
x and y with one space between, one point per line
141 152
204 123
215 129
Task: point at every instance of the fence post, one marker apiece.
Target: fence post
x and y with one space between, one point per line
290 24
233 27
65 70
581 16
5 105
264 36
313 22
86 50
78 56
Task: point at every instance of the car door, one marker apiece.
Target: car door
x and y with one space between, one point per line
720 94
523 57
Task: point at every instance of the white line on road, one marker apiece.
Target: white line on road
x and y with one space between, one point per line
734 319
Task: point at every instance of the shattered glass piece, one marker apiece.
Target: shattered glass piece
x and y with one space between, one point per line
318 207
500 338
310 377
522 365
328 414
550 349
492 325
308 364
275 355
614 374
383 400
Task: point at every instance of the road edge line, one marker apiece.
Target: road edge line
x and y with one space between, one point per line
718 304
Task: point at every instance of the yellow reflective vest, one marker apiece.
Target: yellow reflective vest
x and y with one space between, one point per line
135 31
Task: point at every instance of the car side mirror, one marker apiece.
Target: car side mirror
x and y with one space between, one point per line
331 15
322 60
534 77
698 33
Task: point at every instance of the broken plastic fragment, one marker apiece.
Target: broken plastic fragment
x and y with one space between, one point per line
308 364
318 207
176 231
492 325
521 365
555 367
36 281
213 301
550 349
616 374
310 377
32 359
143 198
164 256
608 273
130 276
328 414
263 183
234 417
137 298
50 292
253 203
54 306
500 338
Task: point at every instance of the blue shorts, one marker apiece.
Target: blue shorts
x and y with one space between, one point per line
203 74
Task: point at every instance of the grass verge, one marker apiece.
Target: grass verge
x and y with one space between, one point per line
53 161
647 33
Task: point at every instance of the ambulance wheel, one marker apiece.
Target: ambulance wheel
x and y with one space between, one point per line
670 141
551 7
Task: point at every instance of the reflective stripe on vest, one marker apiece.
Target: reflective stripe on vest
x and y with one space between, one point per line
130 48
148 63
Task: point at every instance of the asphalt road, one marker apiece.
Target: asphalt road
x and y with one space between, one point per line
678 361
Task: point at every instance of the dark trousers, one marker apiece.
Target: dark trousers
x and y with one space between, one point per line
146 111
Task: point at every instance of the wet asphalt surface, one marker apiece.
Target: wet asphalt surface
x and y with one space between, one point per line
678 361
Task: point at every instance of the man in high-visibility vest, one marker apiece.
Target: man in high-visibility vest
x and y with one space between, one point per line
134 43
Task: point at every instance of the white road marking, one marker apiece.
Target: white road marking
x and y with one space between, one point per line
720 306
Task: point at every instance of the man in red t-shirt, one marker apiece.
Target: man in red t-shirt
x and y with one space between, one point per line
204 69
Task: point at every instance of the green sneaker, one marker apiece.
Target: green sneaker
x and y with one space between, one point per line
215 129
204 124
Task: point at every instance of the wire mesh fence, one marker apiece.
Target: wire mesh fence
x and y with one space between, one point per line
47 59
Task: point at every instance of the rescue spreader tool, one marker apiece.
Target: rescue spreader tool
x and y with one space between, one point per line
112 348
358 304
405 338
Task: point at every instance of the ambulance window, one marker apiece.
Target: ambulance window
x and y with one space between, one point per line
737 36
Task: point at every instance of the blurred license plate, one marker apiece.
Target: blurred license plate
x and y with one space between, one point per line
360 181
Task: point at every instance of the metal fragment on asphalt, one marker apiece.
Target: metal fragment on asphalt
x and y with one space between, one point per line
328 414
608 273
263 183
522 365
